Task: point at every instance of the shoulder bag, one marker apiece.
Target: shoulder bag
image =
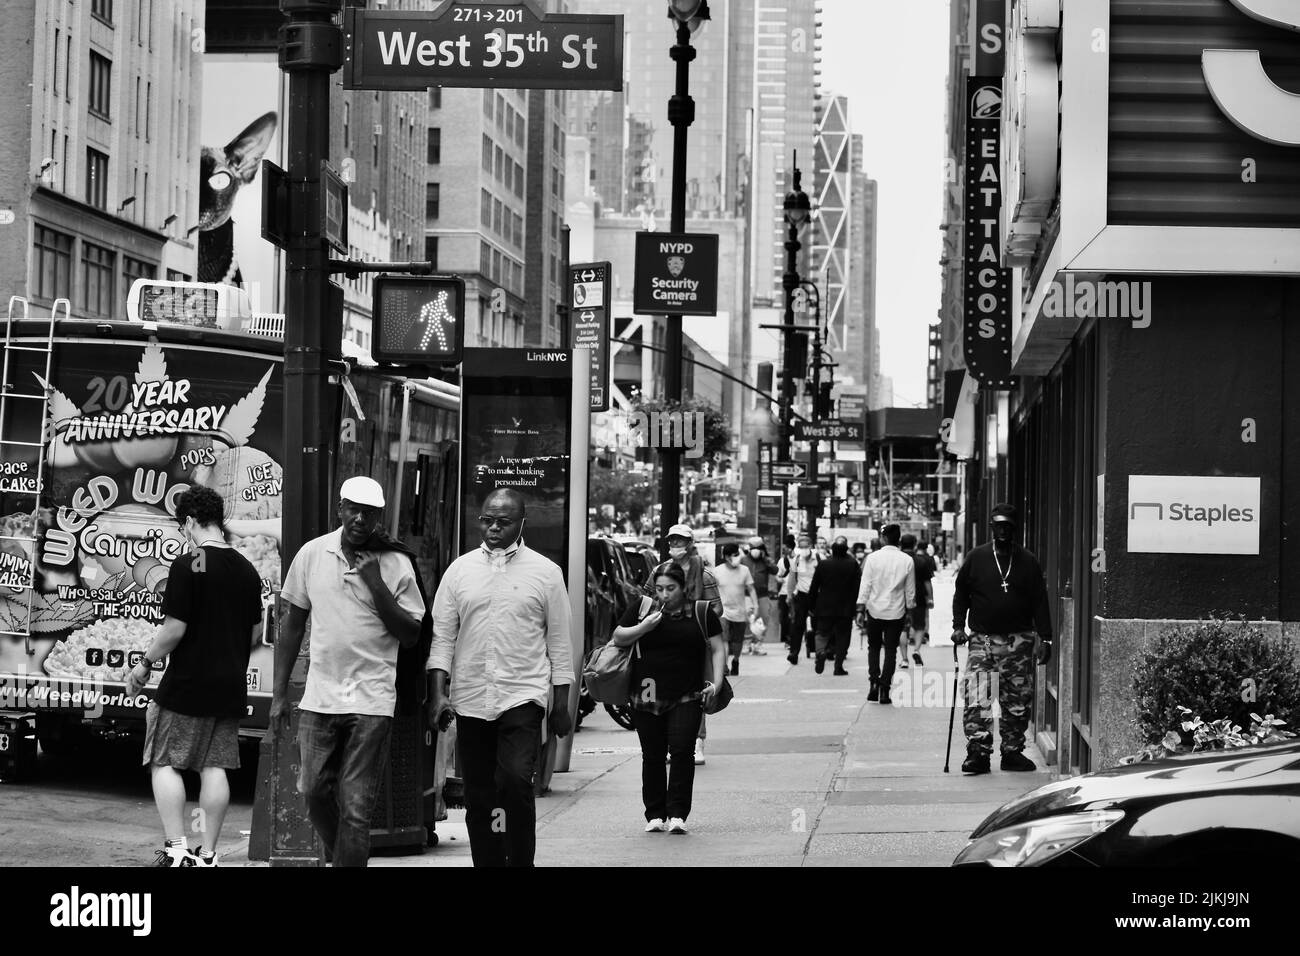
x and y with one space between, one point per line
724 692
607 672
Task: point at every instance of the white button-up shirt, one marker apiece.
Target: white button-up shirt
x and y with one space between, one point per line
501 629
888 586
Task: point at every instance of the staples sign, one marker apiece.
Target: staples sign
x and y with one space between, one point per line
1192 514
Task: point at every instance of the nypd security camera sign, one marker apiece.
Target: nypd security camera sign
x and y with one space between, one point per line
676 274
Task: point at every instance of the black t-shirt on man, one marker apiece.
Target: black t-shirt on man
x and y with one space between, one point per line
219 602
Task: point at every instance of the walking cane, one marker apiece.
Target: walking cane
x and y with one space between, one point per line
956 671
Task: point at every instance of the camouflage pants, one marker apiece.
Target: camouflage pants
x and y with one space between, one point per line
1001 664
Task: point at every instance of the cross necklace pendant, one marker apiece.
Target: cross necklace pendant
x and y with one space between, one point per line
1000 571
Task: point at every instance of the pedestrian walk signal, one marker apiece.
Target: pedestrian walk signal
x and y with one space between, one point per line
418 320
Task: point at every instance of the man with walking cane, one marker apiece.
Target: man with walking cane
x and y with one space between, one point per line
1002 587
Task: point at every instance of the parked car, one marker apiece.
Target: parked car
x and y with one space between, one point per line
611 589
1220 808
642 559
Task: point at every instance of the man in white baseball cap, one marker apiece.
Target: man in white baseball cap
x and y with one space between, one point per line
365 602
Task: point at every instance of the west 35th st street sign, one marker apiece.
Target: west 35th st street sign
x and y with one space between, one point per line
469 43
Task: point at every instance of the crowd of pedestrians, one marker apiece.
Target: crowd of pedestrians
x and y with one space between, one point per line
494 645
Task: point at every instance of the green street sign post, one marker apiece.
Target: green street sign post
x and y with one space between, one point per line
469 43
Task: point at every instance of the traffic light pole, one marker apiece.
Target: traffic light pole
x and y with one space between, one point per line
311 49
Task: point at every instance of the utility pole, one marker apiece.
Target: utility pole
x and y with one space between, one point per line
311 49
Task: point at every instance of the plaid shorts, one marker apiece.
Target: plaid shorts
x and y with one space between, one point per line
189 743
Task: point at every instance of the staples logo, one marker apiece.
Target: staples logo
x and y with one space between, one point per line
1241 88
1193 514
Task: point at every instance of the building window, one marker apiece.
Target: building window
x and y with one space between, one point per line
347 125
431 251
487 153
67 67
96 178
101 74
484 258
175 276
52 264
133 269
435 97
499 170
519 131
374 149
485 207
148 111
519 181
498 216
430 202
501 109
96 279
102 9
56 61
487 103
434 145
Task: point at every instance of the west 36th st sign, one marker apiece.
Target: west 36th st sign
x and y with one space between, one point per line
470 43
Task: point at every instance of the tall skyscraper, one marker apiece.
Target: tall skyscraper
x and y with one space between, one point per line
832 229
105 163
544 269
786 42
859 357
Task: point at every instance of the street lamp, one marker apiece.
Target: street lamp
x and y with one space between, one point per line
796 209
688 16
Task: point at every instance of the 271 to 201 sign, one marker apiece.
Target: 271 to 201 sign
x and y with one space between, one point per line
466 44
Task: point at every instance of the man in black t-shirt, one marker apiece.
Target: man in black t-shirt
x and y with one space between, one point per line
213 615
1002 587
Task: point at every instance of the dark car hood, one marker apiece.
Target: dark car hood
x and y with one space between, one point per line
1193 772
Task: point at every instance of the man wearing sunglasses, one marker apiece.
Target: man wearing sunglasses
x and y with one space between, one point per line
501 628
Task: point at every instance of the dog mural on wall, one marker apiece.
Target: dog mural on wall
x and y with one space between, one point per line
221 174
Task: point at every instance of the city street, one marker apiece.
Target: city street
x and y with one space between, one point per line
801 770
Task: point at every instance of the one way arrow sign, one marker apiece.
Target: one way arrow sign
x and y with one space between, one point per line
789 471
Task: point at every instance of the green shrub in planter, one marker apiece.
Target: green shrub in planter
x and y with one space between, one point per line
1213 667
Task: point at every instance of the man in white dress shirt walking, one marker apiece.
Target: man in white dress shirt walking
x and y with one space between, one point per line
886 595
501 634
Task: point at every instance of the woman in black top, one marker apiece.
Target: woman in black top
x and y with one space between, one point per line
669 693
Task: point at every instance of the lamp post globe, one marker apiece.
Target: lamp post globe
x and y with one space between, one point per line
797 207
685 11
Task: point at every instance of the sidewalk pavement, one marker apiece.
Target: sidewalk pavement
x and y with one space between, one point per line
801 771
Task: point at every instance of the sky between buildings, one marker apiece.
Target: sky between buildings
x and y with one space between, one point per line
891 60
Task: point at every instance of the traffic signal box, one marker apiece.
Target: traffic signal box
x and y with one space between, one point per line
418 320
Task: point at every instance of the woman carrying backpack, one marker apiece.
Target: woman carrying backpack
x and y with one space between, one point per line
676 641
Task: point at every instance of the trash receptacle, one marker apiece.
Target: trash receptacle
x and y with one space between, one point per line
403 814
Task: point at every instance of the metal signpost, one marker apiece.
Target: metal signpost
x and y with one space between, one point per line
467 43
589 315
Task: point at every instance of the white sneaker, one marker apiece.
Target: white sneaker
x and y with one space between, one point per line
654 826
175 856
202 860
676 825
758 649
699 755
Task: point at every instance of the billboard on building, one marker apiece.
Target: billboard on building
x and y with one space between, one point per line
242 124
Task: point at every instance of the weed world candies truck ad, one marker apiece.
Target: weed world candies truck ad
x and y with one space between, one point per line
131 425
